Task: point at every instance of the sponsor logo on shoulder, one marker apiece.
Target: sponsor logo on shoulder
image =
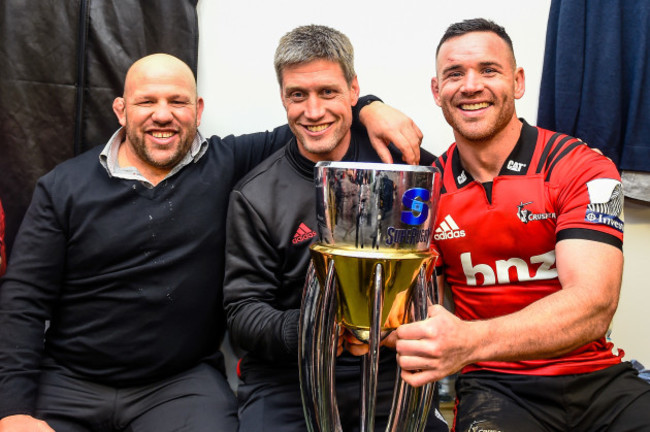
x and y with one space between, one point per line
448 229
526 215
605 203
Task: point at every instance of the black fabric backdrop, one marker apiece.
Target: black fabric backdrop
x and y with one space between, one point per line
63 63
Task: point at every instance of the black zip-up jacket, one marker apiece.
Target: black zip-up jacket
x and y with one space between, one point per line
271 224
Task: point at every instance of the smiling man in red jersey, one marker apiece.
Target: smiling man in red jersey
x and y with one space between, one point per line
530 231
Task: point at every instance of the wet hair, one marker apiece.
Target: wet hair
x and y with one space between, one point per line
314 42
475 25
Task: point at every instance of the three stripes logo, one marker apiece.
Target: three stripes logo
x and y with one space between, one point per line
448 229
303 233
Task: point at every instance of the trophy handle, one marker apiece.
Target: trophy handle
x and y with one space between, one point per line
317 353
411 405
312 301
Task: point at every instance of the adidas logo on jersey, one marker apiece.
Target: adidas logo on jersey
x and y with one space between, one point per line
303 233
448 230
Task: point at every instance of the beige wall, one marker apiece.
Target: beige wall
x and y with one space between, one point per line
631 326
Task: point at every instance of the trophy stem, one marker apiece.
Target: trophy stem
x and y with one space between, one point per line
371 359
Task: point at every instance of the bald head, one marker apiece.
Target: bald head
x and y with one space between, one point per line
159 67
160 112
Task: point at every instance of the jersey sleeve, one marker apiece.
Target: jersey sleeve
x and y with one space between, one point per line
589 197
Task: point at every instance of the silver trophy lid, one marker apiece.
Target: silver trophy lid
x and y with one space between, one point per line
376 206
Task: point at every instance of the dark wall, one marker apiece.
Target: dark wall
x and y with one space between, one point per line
63 63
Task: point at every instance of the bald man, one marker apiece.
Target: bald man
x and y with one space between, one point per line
121 252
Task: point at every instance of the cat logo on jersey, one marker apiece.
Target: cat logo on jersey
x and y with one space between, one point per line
605 203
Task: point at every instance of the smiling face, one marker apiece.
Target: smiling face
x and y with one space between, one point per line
160 113
319 102
476 85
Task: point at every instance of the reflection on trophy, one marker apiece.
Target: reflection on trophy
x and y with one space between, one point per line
371 271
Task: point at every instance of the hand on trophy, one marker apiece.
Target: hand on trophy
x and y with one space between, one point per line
432 349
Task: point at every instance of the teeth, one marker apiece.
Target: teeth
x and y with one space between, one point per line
162 134
318 128
476 106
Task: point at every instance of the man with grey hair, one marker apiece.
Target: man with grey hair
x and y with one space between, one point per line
271 222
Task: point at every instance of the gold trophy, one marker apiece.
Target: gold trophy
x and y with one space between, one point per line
371 271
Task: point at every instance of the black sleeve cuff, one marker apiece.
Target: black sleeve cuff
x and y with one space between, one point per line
361 103
588 234
290 331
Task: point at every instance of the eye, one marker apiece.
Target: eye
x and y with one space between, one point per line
328 93
296 96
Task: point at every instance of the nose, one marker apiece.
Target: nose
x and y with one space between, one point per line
314 108
472 82
162 113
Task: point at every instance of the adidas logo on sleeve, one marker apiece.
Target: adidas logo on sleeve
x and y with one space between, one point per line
303 233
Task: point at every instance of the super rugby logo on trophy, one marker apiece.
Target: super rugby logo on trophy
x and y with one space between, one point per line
415 201
370 273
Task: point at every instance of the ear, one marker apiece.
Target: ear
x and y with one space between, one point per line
520 83
354 88
435 90
199 110
119 108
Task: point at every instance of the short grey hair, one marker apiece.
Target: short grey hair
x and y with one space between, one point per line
314 42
